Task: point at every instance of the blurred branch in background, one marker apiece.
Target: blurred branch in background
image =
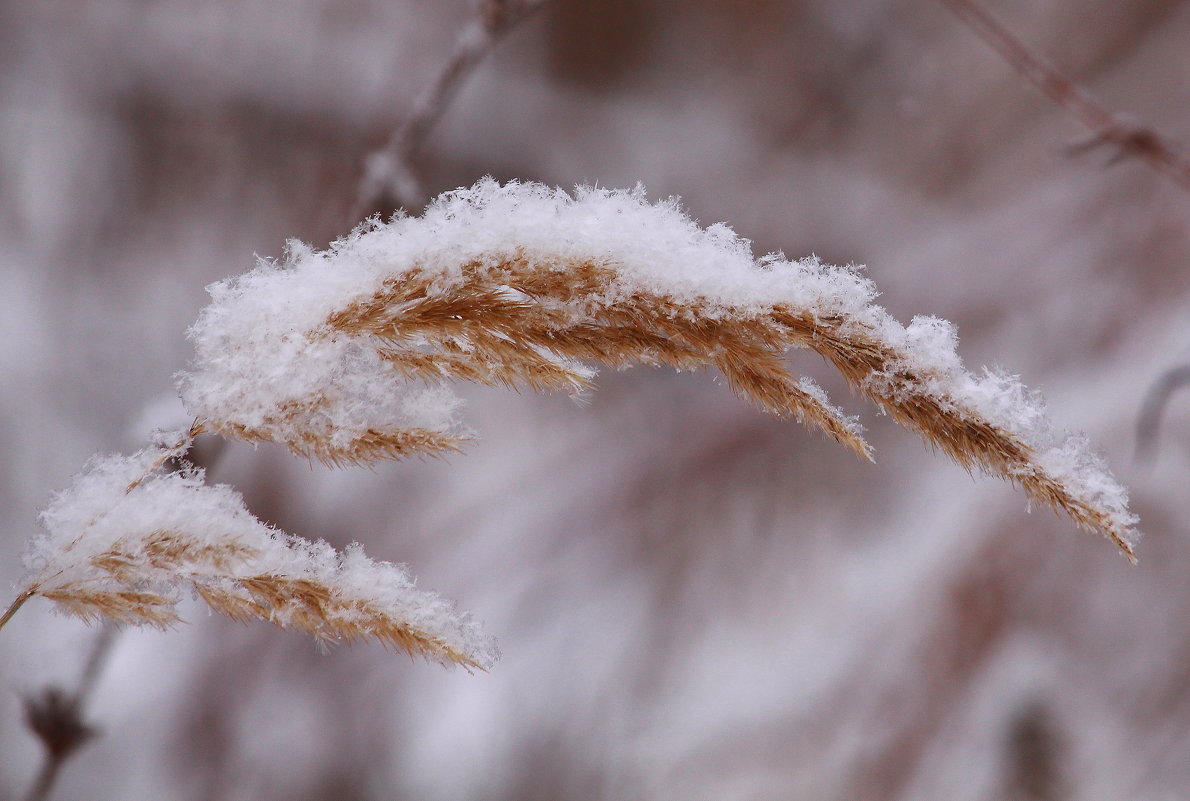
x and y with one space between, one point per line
1035 751
389 179
1148 423
1130 138
56 717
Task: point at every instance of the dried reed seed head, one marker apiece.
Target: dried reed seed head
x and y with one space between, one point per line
507 323
296 604
748 350
514 322
316 609
93 603
562 281
373 445
102 558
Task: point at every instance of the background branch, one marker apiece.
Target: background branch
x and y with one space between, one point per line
1148 423
57 717
1130 138
389 179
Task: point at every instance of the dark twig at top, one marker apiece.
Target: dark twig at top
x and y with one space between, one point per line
389 178
1130 138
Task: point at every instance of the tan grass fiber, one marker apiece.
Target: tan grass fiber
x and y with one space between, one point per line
508 322
212 570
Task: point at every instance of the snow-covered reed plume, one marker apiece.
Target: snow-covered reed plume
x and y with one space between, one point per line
343 356
525 285
129 538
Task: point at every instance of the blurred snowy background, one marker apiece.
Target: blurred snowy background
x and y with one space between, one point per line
694 601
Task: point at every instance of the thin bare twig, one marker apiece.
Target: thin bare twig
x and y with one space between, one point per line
15 605
1148 423
57 717
1130 138
389 178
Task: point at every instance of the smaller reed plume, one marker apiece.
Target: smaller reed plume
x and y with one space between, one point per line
130 538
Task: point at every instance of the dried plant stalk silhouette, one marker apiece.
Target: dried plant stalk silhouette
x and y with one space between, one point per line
344 356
